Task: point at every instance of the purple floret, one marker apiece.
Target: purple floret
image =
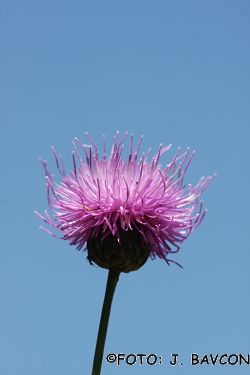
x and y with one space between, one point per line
102 197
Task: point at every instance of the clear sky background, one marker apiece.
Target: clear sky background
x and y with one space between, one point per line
177 72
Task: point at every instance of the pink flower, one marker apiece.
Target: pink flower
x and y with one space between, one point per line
106 196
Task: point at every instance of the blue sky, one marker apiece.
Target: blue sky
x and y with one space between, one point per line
177 72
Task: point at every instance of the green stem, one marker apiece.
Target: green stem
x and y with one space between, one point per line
113 277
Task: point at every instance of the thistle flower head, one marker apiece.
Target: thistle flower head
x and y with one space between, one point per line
103 201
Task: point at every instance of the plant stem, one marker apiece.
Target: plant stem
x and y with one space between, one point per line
113 278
